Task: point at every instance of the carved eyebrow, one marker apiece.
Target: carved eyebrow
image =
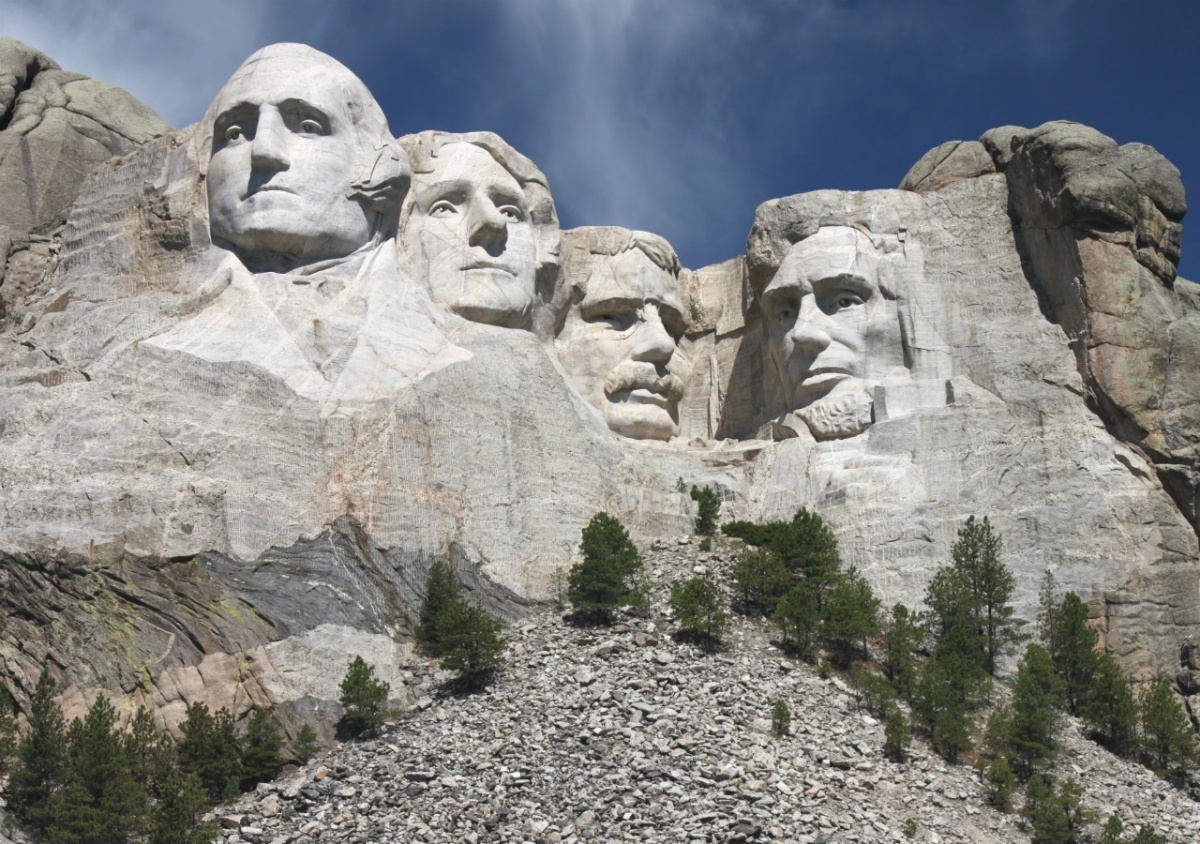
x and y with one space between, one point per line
617 302
237 111
851 281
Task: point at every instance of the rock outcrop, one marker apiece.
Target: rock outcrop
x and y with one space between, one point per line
236 432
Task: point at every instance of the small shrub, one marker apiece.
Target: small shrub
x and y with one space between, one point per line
708 507
1001 783
610 573
441 590
896 736
471 644
824 669
706 544
781 719
261 744
363 699
1147 834
306 743
873 691
699 608
909 829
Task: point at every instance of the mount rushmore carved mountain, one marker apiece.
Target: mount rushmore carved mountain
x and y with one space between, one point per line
258 374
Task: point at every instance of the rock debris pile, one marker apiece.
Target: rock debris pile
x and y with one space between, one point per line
624 734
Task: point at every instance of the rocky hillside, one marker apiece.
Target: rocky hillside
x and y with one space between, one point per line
623 734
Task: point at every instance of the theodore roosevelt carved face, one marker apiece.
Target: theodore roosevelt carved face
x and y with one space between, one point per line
303 167
620 341
825 317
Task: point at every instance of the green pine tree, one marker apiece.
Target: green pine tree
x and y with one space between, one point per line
904 636
896 736
1111 712
1056 816
949 688
472 643
1047 611
1034 715
1168 741
363 699
8 729
441 590
851 616
1147 834
708 507
608 576
760 579
144 744
1113 831
1074 651
979 586
209 750
798 617
781 719
1001 783
175 818
698 606
306 743
102 803
261 745
42 763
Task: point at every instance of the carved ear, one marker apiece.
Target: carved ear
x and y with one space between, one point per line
383 183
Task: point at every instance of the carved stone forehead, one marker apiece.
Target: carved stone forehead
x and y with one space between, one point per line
297 70
632 275
831 252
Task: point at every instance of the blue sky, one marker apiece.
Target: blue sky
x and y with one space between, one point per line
681 116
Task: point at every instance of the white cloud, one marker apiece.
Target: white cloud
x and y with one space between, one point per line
172 54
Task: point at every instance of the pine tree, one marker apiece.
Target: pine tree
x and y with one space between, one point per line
144 744
1168 740
798 618
698 606
761 579
363 698
209 750
102 802
950 686
708 507
306 743
1036 692
1074 651
900 662
1147 834
607 576
896 736
808 548
42 765
1111 712
1001 783
261 746
8 729
987 588
1056 816
851 616
781 719
471 643
441 590
1047 611
176 814
1113 831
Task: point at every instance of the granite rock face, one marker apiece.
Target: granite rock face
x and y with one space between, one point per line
236 433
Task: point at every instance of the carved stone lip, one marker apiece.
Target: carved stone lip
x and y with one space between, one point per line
267 189
649 395
487 265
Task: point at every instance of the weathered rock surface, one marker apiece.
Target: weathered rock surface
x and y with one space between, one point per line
193 509
55 127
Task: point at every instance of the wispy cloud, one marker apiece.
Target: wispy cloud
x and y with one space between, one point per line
172 54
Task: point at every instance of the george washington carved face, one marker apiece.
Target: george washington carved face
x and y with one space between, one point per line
293 132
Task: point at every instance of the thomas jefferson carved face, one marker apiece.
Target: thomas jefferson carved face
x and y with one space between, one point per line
471 239
620 346
286 147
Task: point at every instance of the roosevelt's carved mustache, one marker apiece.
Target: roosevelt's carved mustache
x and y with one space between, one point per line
642 376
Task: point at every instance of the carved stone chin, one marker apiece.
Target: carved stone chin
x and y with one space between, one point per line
838 417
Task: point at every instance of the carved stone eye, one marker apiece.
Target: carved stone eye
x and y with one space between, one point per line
442 208
512 212
233 133
311 127
847 300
